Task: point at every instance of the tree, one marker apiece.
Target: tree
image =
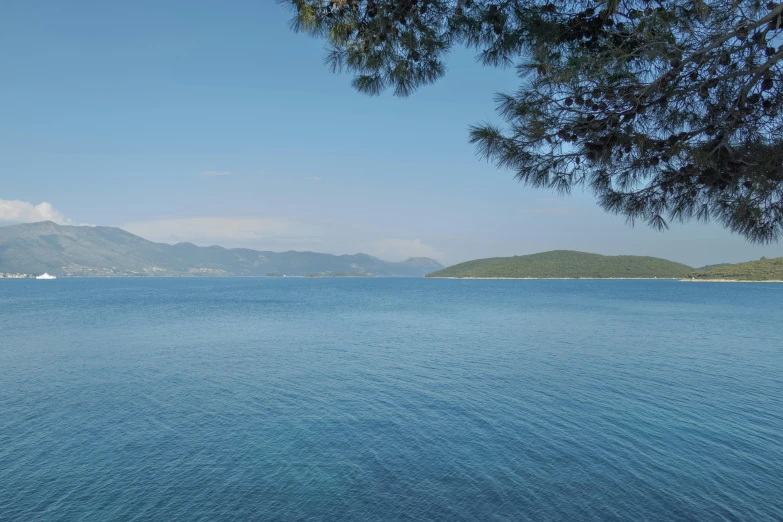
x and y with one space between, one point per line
665 109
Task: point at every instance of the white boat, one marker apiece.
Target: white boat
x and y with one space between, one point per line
46 276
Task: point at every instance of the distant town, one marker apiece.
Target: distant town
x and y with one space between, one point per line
16 276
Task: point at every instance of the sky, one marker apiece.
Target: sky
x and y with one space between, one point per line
212 122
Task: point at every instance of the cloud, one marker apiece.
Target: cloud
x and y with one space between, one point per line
12 211
276 235
215 173
221 231
401 249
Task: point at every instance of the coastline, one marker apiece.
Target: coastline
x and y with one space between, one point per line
194 276
611 279
730 281
563 278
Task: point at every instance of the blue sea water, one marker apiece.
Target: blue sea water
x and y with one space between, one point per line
390 399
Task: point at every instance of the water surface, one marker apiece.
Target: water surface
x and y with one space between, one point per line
390 399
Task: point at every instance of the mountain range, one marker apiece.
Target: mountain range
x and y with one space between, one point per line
34 248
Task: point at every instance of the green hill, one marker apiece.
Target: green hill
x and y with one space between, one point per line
762 270
35 248
567 264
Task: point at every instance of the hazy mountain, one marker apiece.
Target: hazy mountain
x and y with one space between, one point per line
106 251
716 265
567 264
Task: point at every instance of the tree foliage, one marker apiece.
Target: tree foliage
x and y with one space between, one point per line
665 109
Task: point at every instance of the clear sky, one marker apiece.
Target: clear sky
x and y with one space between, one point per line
212 122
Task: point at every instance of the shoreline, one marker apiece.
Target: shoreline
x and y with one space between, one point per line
564 278
609 279
730 281
414 277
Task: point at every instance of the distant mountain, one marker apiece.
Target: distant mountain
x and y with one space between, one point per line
762 270
716 265
567 264
105 251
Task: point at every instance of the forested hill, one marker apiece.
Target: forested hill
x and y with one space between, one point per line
762 270
35 248
567 264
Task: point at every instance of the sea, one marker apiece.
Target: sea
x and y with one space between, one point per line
364 399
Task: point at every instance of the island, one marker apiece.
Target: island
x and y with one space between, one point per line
566 264
763 270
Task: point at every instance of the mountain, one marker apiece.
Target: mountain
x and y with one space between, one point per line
105 251
567 264
762 270
716 265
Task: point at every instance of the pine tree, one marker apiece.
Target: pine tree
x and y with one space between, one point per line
665 109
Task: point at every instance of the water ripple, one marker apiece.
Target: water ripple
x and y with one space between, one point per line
414 400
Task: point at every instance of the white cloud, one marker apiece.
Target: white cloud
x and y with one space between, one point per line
12 211
221 231
401 249
276 235
215 173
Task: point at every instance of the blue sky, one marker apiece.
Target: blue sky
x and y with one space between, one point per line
214 123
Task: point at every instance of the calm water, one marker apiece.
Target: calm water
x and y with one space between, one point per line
384 399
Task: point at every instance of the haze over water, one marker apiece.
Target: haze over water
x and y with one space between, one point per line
390 399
